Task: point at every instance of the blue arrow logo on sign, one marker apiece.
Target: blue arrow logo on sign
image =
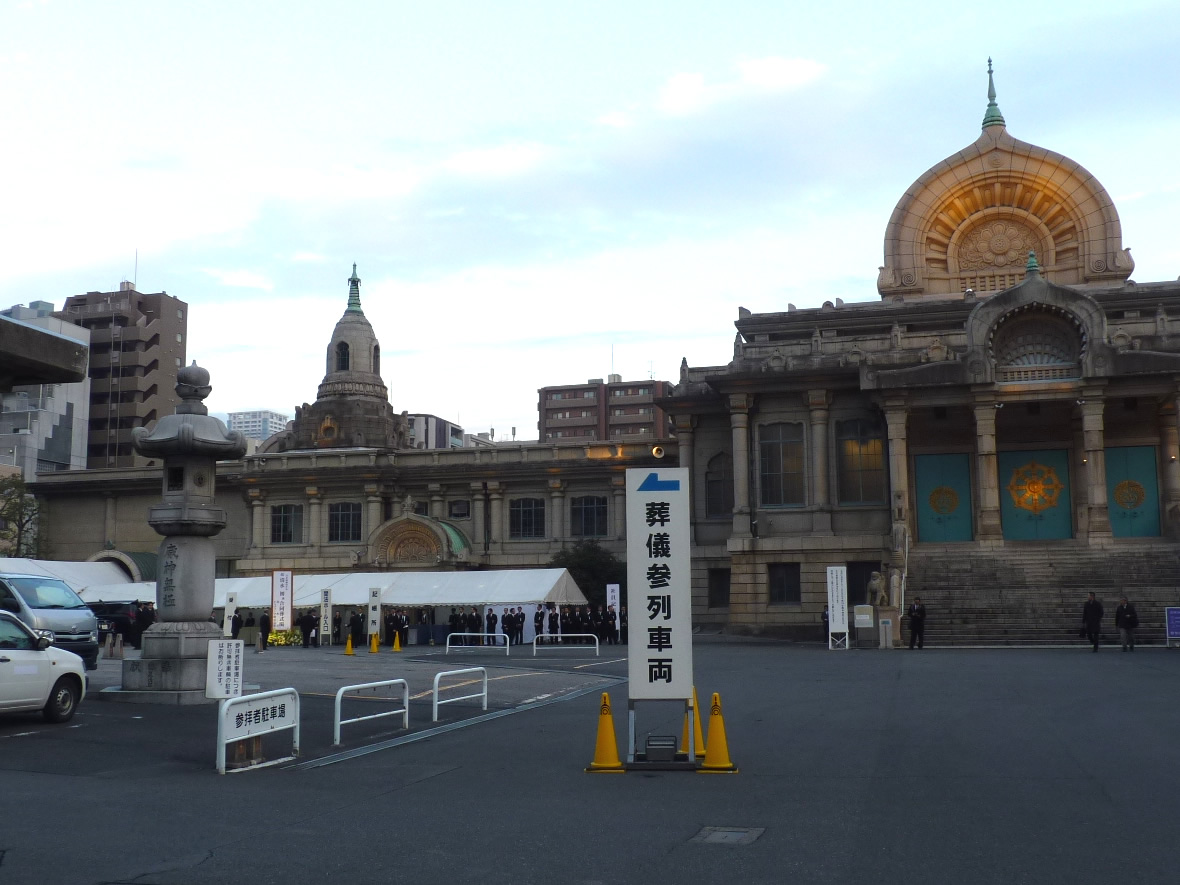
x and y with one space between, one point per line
653 483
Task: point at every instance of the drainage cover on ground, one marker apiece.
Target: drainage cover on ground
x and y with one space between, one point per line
728 835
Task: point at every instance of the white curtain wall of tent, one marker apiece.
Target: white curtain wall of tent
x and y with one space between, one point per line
402 589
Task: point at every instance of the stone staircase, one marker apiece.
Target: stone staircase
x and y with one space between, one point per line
1031 593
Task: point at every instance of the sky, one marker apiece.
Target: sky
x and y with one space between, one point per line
534 193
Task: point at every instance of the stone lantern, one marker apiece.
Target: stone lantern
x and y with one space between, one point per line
190 443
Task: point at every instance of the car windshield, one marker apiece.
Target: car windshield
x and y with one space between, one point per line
46 593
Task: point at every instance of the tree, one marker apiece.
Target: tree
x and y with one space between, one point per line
18 517
592 567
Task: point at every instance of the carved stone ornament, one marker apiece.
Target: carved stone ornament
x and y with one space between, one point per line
413 544
997 244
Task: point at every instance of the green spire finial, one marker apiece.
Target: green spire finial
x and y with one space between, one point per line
1032 268
354 291
992 117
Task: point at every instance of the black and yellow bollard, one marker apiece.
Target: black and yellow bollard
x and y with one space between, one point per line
717 753
606 750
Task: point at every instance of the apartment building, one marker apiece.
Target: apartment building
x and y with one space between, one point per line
612 410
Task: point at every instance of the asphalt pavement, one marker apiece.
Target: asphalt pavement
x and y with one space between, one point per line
934 766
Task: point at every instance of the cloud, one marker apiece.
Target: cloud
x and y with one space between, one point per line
241 279
684 94
499 161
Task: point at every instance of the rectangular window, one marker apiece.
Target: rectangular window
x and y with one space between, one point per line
785 588
860 453
344 521
780 462
459 509
588 517
718 588
286 524
526 518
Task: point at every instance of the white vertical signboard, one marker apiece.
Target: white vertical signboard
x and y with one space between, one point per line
659 646
223 673
612 598
231 606
374 610
326 617
280 600
838 605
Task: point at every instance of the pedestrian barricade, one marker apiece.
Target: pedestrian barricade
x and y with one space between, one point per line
253 715
568 645
337 722
438 677
495 636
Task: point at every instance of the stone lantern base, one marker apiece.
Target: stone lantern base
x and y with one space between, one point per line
172 667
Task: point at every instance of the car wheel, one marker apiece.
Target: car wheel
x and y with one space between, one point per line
63 700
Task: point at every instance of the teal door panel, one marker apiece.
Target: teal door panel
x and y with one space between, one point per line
942 484
1132 491
1034 495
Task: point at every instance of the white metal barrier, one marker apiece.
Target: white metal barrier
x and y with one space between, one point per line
568 645
262 714
493 635
439 676
337 722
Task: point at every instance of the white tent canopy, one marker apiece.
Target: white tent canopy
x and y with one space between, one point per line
403 589
79 575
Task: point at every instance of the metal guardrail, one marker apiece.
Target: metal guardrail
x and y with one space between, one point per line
559 645
438 677
257 719
493 635
337 722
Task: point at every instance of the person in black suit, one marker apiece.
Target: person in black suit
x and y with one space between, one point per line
490 625
1092 620
264 628
539 624
917 613
554 623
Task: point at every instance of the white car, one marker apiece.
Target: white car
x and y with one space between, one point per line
36 676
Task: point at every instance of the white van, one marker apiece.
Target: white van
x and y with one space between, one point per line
49 604
36 676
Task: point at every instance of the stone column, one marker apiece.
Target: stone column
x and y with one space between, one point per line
478 520
555 518
372 510
739 423
1169 445
436 500
988 522
258 533
496 511
1093 437
818 413
896 414
315 531
619 494
110 522
684 437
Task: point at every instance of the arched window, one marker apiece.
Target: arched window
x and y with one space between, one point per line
342 357
719 485
376 359
1036 346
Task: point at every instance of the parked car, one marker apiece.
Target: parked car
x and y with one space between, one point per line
36 675
49 604
117 618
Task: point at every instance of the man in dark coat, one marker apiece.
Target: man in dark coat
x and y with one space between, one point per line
623 625
264 629
490 625
612 625
917 613
520 626
337 623
539 624
235 626
506 627
303 622
1126 619
1092 620
554 623
356 626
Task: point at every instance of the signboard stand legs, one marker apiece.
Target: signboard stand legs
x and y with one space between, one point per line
661 752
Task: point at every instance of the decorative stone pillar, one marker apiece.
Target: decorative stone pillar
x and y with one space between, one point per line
739 423
818 414
372 510
684 441
496 511
478 520
258 535
896 414
316 531
1093 437
556 515
437 503
110 521
618 487
190 443
987 469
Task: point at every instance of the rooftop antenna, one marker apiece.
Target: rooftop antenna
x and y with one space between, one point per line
135 275
612 357
651 370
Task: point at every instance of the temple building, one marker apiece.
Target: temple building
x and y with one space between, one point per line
999 428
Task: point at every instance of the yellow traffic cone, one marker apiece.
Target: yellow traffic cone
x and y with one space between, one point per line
717 754
698 738
348 646
397 640
606 751
374 644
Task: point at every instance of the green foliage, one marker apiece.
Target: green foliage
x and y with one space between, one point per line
592 567
18 517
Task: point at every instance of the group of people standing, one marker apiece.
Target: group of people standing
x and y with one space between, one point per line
572 624
1126 619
